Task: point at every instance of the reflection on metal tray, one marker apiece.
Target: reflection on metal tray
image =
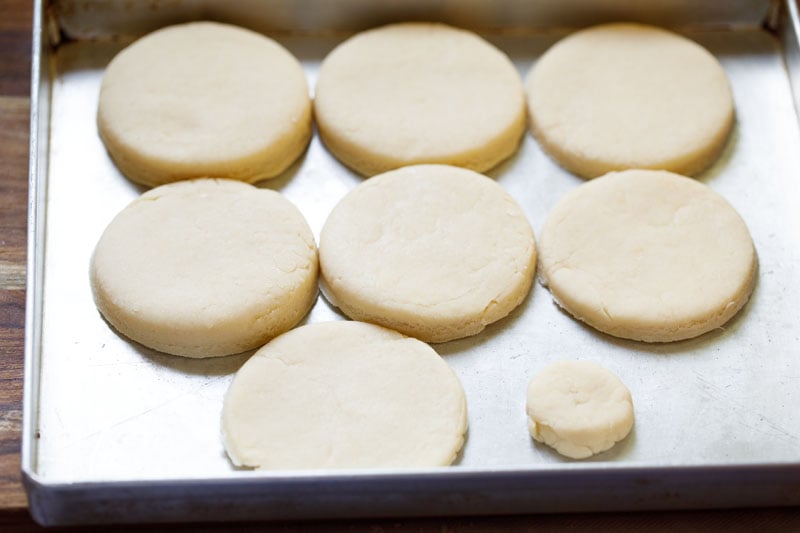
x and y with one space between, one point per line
116 432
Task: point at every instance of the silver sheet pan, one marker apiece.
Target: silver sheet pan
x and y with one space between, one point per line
114 432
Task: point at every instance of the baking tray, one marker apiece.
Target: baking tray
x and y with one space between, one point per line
114 432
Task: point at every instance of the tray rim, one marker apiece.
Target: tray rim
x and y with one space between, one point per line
415 493
39 116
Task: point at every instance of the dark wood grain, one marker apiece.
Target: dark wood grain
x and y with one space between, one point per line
15 47
12 315
15 50
15 24
14 120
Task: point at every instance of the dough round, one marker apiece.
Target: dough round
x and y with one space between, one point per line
433 251
204 100
205 268
419 93
620 96
579 408
344 395
647 255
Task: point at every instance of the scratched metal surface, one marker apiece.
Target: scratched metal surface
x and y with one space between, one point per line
109 410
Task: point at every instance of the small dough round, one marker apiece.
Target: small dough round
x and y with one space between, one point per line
344 395
620 96
579 408
433 251
414 93
204 99
647 255
205 268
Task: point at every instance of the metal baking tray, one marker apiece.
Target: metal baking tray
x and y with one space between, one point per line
114 432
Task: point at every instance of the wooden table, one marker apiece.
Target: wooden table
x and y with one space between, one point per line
15 48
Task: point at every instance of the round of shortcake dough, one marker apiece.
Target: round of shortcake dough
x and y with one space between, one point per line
204 99
579 408
344 395
647 255
433 251
413 93
620 96
205 268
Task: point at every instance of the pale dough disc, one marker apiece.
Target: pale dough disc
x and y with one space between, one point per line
204 100
344 395
205 268
433 251
579 408
419 93
620 96
647 255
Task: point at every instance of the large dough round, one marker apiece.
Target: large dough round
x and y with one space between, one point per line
344 395
419 93
433 251
204 100
620 96
647 255
205 268
579 408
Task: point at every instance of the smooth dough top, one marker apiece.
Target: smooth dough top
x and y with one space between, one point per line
204 100
434 251
579 408
647 255
205 268
620 96
419 93
344 395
